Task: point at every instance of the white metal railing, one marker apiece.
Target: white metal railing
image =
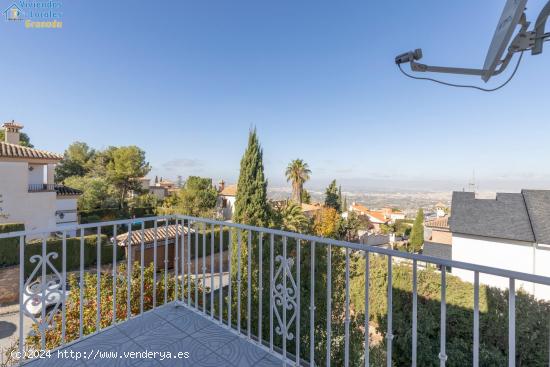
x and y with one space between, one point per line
282 273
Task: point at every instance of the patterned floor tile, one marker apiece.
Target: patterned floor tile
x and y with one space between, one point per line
190 322
241 352
160 337
214 337
171 311
119 359
195 350
141 324
105 340
269 361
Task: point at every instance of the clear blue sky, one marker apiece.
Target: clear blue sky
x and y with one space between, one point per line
185 80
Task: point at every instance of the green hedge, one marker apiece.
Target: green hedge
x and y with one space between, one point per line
73 252
9 247
112 214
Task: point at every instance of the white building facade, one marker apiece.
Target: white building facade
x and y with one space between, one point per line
510 232
29 194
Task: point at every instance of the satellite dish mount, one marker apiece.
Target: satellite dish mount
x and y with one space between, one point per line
512 16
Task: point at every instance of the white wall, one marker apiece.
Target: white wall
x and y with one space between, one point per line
228 211
505 254
542 267
36 210
66 206
37 175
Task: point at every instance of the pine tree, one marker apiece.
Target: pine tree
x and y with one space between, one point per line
417 233
331 196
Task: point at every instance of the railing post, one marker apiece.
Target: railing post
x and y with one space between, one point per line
98 281
42 301
212 272
230 251
64 287
176 259
415 315
239 253
249 283
129 273
443 320
142 262
81 281
221 277
389 335
271 288
22 289
512 324
285 298
155 229
115 245
166 250
329 303
261 285
346 321
367 311
312 307
204 268
298 309
476 320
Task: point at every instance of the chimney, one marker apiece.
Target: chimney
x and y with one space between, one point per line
222 185
11 132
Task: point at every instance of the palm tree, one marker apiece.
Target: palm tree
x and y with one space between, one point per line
298 173
293 219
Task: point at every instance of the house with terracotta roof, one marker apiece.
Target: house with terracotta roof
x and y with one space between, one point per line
227 195
376 217
27 186
438 238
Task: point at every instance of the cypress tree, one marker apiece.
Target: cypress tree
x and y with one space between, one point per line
251 208
417 233
251 205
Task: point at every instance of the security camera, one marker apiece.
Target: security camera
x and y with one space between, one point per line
409 56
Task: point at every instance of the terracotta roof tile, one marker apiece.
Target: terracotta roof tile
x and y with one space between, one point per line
149 235
230 190
17 151
442 222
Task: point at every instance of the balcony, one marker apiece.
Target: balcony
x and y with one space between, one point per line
41 187
214 293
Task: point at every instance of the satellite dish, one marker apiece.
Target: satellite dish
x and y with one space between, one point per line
509 19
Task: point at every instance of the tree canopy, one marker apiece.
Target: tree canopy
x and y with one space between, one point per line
332 197
77 161
197 198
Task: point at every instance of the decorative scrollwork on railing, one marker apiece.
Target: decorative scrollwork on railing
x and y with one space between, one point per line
43 295
284 297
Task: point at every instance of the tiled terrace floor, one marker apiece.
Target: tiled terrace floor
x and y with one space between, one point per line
167 329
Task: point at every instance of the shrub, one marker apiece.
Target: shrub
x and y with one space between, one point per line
73 252
532 322
9 247
89 317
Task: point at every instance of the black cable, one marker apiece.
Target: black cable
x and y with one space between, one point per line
463 85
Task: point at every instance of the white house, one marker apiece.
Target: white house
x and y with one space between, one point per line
27 186
510 232
225 205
